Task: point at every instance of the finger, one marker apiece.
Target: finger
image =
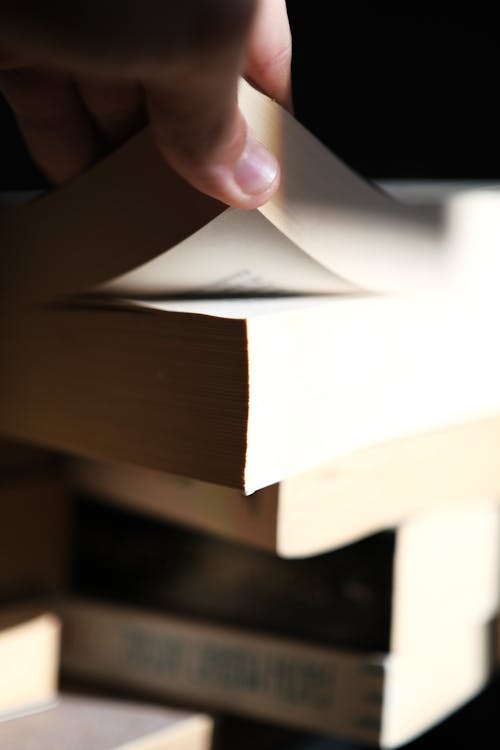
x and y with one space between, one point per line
213 150
52 120
115 107
202 134
269 53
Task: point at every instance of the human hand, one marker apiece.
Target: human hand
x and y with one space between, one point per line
81 77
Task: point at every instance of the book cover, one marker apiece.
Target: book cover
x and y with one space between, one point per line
387 592
376 698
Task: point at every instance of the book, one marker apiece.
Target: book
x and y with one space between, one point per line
318 510
387 592
244 392
29 659
35 524
87 722
476 721
375 698
330 230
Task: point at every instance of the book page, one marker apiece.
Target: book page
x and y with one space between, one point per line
231 308
131 226
323 212
237 253
339 218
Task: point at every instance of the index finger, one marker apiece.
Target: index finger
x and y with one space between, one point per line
202 134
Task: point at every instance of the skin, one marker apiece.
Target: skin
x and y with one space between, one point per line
82 77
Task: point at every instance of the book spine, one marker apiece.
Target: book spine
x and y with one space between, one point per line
341 599
268 678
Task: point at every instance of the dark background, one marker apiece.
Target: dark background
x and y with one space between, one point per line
399 94
393 94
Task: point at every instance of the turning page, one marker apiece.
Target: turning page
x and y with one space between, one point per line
131 226
327 230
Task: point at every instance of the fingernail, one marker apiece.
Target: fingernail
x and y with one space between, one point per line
256 169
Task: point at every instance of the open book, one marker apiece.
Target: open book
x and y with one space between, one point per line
245 391
131 226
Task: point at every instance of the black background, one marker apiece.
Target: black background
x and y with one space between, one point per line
399 94
393 94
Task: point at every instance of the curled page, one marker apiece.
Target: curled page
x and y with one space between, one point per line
326 231
131 226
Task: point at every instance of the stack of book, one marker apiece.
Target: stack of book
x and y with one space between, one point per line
373 642
36 709
283 429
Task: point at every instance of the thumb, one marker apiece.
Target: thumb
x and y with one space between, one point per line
202 134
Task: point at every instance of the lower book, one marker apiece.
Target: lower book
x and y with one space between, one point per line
382 699
86 722
473 725
29 659
331 505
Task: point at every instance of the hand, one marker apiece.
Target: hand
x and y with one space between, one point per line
81 77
